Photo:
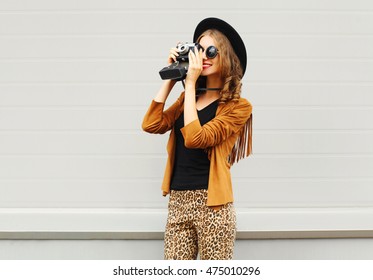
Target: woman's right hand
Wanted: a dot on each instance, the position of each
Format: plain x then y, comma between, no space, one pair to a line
172,56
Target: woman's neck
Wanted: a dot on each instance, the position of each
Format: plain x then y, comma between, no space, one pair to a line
214,82
210,95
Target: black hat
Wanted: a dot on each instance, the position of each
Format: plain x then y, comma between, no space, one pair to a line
232,35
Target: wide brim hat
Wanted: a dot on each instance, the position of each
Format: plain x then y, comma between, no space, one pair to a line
232,35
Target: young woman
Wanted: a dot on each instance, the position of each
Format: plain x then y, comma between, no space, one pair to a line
210,130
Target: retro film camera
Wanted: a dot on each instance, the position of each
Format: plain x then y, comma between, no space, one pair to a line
178,70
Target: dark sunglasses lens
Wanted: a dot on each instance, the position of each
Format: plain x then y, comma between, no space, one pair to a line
211,52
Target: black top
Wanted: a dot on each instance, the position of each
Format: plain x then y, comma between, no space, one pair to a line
192,166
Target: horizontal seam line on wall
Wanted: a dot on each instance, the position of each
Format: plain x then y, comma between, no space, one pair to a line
9,59
188,11
153,83
159,179
258,131
163,155
144,108
167,35
158,235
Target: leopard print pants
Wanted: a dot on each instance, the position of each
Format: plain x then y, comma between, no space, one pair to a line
194,228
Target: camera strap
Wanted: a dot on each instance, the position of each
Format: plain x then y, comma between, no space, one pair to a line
204,89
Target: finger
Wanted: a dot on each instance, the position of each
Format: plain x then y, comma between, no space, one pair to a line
198,54
172,56
192,59
195,58
191,56
174,52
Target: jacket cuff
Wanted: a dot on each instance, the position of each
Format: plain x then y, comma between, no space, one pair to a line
191,129
155,109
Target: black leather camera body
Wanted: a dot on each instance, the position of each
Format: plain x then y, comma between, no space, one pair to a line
178,70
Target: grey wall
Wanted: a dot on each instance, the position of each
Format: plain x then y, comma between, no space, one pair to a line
295,249
76,77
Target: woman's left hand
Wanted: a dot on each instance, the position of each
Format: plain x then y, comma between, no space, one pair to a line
195,66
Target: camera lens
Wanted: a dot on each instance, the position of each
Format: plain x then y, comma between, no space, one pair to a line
183,49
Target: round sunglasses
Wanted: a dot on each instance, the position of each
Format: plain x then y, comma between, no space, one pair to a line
211,51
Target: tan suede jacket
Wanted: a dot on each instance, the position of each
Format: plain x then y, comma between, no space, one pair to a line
218,137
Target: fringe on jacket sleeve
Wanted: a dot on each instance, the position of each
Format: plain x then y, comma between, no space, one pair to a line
243,145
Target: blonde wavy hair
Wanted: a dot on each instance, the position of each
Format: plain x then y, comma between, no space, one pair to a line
230,65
